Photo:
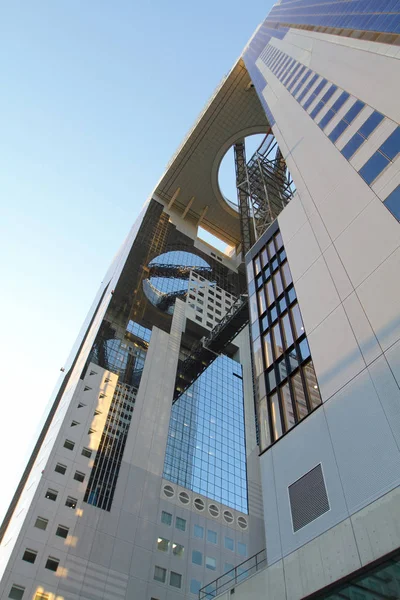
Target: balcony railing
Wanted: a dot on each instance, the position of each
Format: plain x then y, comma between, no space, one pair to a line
236,575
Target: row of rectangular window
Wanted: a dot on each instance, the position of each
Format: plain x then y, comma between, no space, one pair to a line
70,445
198,532
166,518
286,382
160,575
41,523
62,469
53,494
381,158
51,563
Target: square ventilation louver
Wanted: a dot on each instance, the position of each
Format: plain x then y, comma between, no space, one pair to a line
308,498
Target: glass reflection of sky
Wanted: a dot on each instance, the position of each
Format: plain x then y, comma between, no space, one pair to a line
158,288
206,445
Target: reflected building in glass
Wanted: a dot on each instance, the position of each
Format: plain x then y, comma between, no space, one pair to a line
227,420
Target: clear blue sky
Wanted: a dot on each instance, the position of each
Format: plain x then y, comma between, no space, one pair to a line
96,96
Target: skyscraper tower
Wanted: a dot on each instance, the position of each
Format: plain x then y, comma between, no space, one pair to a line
229,422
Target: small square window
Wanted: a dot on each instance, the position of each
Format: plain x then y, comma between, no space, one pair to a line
60,469
177,549
166,518
242,549
86,452
229,543
160,574
198,318
162,544
198,531
29,556
62,531
211,563
197,557
51,495
79,476
228,567
180,523
41,523
71,502
211,536
16,592
52,563
195,586
69,444
175,580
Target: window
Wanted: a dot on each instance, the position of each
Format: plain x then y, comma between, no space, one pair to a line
29,556
197,557
392,203
160,574
373,167
242,549
211,563
228,567
69,444
229,543
79,476
347,119
51,495
177,549
62,531
74,423
162,544
195,586
52,563
41,596
86,452
41,523
16,592
166,518
175,579
180,523
71,502
211,536
198,531
60,468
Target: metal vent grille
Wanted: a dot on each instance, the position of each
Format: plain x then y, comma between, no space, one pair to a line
308,498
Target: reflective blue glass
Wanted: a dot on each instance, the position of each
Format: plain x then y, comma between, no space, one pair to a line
169,276
336,106
352,145
139,331
308,87
303,80
392,203
391,146
347,120
373,167
206,446
242,549
314,95
371,124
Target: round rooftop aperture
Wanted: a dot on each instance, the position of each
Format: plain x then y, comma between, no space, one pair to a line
227,172
168,277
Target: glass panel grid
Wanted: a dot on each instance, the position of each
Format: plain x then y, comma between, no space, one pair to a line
291,384
206,445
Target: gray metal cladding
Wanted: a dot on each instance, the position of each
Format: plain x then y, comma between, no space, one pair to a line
308,498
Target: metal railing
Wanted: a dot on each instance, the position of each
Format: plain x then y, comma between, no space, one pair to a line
231,578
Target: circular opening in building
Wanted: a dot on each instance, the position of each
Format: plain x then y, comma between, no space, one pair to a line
228,516
242,522
199,504
184,498
168,277
213,510
227,172
169,491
